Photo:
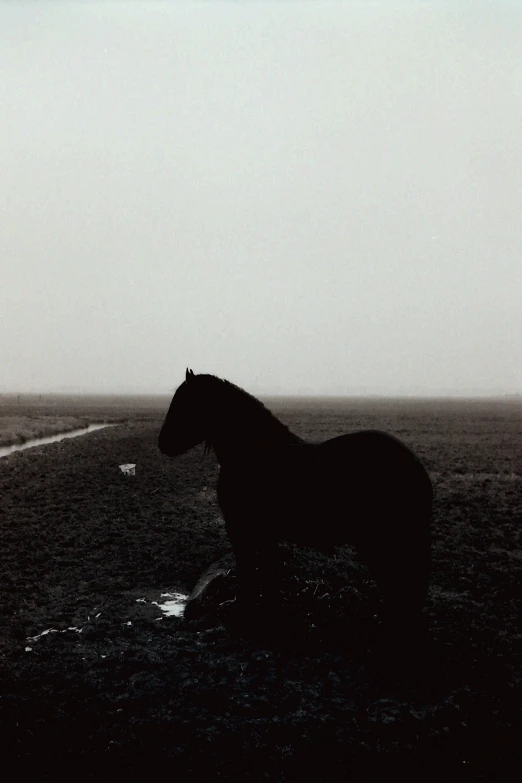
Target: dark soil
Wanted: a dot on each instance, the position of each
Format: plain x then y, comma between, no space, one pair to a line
118,687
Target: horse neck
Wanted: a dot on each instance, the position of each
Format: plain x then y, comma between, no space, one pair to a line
244,427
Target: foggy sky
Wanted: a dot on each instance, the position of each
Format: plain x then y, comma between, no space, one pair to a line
300,197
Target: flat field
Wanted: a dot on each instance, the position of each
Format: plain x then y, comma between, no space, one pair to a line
116,687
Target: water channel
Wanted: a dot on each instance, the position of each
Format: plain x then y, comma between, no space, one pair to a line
5,451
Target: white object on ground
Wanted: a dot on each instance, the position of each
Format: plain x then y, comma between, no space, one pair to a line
175,606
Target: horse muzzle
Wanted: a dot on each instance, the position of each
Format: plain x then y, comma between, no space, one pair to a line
166,446
174,446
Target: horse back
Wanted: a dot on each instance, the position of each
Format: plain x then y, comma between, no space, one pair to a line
355,475
377,467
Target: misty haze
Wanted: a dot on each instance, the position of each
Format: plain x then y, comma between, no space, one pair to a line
316,198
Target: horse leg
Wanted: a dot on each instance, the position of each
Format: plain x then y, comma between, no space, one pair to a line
405,590
248,586
254,611
270,578
238,613
401,569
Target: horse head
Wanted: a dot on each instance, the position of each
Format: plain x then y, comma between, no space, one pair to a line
187,421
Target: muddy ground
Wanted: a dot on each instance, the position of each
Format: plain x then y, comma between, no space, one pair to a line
118,687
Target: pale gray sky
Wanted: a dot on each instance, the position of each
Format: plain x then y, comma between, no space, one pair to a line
297,196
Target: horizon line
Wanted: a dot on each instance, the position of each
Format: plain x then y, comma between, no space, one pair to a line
440,394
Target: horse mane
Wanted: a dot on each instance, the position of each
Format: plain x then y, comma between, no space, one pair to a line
243,401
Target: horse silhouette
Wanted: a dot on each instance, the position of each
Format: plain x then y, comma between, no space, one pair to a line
365,488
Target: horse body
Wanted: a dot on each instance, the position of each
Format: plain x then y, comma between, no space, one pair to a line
365,488
332,490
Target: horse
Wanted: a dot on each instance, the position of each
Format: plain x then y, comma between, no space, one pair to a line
365,488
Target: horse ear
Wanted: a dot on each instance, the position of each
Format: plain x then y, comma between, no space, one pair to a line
188,374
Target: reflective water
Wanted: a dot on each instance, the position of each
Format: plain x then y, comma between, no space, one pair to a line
6,450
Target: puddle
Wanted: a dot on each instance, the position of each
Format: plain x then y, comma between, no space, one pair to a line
174,606
5,451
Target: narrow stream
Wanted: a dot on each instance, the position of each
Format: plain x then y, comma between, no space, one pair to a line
5,451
